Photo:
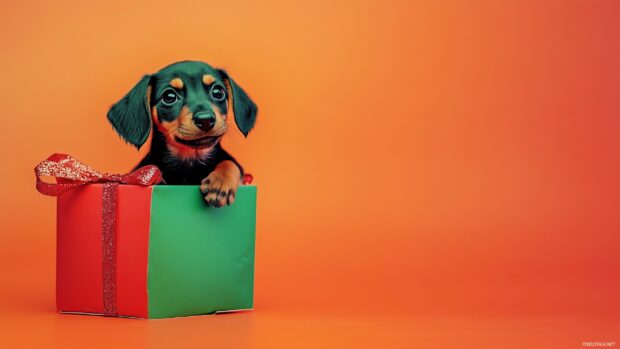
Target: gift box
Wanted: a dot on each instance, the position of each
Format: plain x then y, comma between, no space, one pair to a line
151,251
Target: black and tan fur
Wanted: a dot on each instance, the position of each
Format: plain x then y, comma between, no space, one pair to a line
189,103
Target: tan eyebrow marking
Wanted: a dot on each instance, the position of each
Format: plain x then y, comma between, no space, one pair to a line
208,79
177,83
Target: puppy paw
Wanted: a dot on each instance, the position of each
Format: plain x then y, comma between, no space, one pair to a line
219,189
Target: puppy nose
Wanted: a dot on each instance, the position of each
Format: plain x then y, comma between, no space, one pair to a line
204,121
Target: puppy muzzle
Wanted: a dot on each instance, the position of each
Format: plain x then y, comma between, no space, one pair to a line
204,121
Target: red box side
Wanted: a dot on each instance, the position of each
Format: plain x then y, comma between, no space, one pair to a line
78,261
132,243
79,274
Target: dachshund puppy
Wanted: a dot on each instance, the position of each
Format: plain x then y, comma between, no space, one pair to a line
189,103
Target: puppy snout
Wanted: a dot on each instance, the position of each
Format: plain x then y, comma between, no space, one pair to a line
204,121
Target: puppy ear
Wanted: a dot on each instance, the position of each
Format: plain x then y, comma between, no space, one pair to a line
131,116
242,106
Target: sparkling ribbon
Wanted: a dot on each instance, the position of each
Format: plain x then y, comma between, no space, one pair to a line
69,174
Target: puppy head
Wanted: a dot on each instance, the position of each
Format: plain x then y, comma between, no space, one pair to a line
189,103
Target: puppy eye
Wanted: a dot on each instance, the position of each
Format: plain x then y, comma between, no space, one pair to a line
169,98
217,93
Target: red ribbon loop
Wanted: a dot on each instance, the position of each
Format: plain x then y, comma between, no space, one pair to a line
71,173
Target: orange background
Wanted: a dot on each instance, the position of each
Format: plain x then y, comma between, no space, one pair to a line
437,174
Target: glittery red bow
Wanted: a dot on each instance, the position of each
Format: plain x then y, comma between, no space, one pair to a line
70,173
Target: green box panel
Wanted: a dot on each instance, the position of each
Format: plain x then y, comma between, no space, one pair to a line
201,259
